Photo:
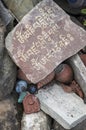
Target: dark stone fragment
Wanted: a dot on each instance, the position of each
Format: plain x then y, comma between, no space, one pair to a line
7,67
8,113
7,75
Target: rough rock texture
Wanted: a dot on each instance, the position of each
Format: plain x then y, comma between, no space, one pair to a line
81,126
8,113
5,14
66,108
2,31
20,7
36,121
7,76
79,72
7,68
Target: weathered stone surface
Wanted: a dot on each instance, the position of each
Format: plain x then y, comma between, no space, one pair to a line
5,14
7,75
35,2
36,121
43,39
80,126
2,32
79,72
67,109
8,113
7,68
20,7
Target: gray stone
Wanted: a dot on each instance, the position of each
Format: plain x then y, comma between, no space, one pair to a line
7,75
5,14
8,113
65,5
79,72
35,121
35,2
7,68
57,126
20,7
80,126
66,108
2,33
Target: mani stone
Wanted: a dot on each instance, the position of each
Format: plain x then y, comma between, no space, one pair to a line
36,121
43,39
8,113
67,109
7,67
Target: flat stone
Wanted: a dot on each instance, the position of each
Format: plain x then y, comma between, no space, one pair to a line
36,121
66,108
79,72
43,39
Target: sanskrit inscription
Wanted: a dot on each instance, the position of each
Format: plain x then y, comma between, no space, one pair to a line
43,39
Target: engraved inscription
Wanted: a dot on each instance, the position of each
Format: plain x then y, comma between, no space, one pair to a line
43,39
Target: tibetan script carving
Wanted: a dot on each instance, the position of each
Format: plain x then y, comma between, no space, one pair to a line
43,39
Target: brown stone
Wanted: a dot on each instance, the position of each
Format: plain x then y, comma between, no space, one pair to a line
73,87
46,80
43,39
65,75
31,104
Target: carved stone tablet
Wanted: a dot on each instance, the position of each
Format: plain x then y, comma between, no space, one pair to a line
43,39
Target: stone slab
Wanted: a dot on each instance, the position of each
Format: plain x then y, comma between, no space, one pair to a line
36,121
79,72
67,109
43,39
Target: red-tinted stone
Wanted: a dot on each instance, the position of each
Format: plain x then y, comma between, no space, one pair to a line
65,75
46,80
31,104
43,39
73,87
